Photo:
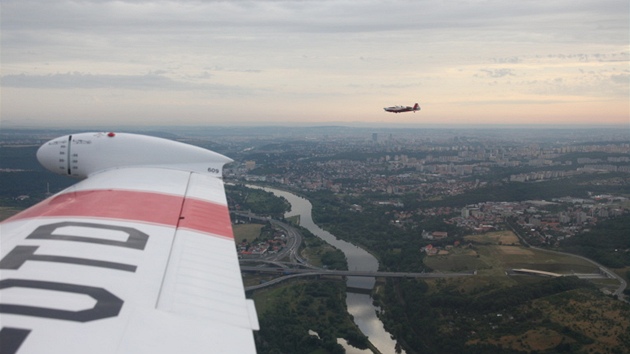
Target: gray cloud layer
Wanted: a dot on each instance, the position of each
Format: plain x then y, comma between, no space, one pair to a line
289,54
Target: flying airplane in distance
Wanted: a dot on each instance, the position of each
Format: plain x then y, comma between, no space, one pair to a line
400,109
137,257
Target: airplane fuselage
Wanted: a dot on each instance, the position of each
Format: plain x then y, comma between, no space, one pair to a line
400,109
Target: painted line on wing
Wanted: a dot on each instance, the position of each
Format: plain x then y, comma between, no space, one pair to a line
200,215
157,208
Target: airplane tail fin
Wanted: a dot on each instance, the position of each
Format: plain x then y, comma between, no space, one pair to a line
416,107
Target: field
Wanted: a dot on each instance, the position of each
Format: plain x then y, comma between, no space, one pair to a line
6,212
508,257
494,260
579,320
582,320
457,260
247,232
251,279
293,220
494,238
314,254
493,253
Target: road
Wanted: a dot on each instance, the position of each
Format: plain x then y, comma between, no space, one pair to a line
295,273
294,240
354,273
622,283
288,270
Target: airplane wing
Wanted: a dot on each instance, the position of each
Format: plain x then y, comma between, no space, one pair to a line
139,257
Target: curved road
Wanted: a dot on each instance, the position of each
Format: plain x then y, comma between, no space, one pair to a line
622,283
294,239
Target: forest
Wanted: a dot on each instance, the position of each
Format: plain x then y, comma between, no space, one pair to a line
502,320
607,243
290,312
257,201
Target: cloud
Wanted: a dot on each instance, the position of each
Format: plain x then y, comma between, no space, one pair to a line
621,79
495,73
147,82
326,55
339,16
74,80
508,60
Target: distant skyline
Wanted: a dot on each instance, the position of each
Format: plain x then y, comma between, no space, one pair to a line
154,63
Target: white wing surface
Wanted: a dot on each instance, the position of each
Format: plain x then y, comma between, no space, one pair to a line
129,260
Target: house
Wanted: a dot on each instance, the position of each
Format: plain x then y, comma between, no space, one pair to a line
430,250
438,235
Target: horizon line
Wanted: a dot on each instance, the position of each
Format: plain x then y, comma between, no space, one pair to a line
331,124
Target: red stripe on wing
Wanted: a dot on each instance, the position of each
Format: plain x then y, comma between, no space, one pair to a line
207,217
164,209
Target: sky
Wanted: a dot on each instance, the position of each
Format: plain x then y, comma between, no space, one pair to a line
141,63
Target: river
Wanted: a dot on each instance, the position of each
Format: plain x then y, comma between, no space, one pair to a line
359,305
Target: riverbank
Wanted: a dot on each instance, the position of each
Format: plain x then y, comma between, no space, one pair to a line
360,306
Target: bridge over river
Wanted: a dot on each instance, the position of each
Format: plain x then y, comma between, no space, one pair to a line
290,273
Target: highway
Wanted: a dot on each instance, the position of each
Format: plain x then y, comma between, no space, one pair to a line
289,273
288,270
291,249
354,273
294,241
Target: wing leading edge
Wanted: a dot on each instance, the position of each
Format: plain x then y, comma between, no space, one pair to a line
129,260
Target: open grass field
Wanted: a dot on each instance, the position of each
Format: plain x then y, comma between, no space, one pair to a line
265,298
247,232
492,260
623,272
509,257
314,254
494,238
293,220
7,212
251,279
457,260
495,252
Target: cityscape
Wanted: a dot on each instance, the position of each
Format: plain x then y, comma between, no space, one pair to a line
466,213
392,168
